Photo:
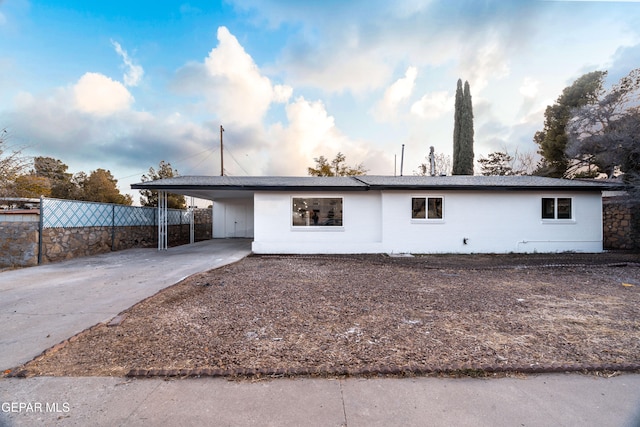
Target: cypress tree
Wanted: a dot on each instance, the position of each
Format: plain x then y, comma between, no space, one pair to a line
463,131
467,131
457,120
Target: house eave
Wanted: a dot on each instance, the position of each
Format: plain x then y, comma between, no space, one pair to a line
249,185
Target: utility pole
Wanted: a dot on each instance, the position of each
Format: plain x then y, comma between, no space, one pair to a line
221,153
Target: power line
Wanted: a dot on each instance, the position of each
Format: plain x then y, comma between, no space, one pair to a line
210,151
235,160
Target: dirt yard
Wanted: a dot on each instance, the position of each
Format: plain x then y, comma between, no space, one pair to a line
359,313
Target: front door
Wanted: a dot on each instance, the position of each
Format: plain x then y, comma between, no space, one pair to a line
238,221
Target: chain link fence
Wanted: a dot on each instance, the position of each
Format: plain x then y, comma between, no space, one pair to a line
72,228
58,213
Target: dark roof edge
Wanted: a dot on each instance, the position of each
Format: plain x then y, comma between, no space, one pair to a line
365,185
493,188
143,186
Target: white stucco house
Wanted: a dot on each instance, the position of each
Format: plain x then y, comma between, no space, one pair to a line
401,214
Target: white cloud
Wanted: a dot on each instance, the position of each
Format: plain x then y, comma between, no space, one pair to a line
98,94
355,46
311,133
399,91
484,61
127,142
239,94
529,87
231,83
282,93
336,69
133,74
433,105
3,19
245,93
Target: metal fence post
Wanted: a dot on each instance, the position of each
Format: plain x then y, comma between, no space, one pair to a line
192,219
162,221
113,227
40,228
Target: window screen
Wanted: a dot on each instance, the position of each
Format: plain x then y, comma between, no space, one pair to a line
556,208
426,207
548,208
435,208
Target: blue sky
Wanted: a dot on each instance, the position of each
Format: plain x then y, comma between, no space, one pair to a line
123,85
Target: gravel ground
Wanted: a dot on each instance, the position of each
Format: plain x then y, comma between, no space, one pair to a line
327,314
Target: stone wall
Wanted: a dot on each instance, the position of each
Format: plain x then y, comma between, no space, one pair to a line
203,224
19,241
620,224
59,244
18,244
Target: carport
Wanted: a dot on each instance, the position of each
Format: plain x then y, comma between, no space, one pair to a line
231,197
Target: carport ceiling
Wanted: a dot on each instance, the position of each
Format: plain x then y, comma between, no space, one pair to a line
210,194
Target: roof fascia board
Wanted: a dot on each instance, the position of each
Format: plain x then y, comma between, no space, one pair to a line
250,187
487,188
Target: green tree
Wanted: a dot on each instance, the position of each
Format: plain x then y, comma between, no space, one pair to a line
32,186
337,167
60,181
101,186
463,131
604,135
150,197
552,140
497,163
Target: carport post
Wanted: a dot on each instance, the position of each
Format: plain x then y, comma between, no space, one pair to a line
192,214
162,221
40,229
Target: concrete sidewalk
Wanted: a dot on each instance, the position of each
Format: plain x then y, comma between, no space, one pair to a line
42,306
543,400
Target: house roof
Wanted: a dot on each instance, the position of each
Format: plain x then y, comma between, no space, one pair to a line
253,182
499,183
210,187
225,187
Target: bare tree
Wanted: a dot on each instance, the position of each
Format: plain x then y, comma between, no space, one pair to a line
503,163
12,164
442,163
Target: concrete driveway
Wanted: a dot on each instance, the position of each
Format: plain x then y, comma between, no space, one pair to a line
42,306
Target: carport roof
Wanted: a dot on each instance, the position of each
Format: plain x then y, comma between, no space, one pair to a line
209,187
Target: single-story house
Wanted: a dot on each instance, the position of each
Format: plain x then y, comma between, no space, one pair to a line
401,214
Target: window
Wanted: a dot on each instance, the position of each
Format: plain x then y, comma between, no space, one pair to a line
426,208
556,208
317,212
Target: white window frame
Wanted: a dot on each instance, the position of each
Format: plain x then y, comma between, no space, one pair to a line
316,228
427,220
555,219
